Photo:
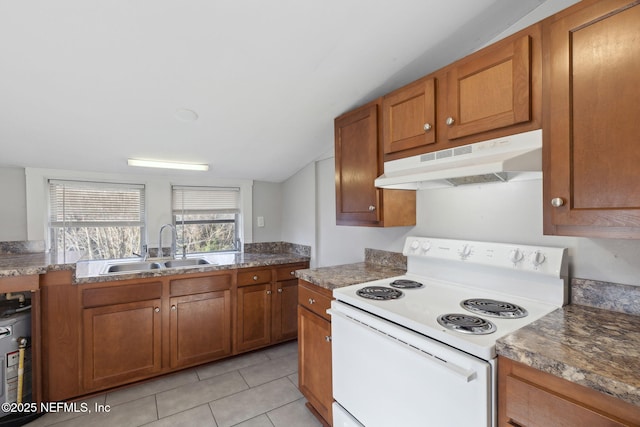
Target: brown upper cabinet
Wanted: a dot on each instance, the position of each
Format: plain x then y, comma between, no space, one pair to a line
491,90
591,120
409,115
489,94
358,156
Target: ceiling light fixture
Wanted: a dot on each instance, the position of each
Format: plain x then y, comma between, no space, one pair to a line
168,165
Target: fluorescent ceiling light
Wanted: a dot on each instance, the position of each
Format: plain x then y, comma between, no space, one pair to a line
167,165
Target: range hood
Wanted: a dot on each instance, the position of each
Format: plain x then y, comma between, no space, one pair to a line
516,157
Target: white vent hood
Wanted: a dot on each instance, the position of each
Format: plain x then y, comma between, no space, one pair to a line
515,157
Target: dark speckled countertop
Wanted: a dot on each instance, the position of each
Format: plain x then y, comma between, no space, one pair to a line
595,347
377,265
17,260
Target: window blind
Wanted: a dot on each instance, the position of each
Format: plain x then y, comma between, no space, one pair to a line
95,204
203,200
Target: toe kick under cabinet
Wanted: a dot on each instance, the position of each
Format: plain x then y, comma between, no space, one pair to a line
98,336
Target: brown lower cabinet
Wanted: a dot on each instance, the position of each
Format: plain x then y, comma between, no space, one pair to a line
103,335
528,397
314,349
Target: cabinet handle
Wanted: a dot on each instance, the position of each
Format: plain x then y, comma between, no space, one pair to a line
450,121
255,277
268,292
372,208
279,290
427,127
174,308
557,202
327,338
157,309
292,272
312,301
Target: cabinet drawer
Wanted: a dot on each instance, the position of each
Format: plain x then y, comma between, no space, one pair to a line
253,277
198,285
288,272
531,406
95,297
316,301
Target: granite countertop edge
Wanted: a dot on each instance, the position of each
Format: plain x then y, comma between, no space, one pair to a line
602,357
85,271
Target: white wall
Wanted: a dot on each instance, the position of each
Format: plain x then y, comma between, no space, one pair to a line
299,209
267,203
501,212
157,194
14,205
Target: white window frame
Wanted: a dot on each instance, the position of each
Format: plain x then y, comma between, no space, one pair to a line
59,219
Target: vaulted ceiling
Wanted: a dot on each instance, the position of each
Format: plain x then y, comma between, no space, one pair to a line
86,84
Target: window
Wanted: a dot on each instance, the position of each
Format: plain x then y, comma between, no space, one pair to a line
206,218
105,220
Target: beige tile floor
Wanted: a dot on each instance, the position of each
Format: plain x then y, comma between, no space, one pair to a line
257,389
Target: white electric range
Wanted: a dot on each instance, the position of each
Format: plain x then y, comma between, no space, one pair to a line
424,343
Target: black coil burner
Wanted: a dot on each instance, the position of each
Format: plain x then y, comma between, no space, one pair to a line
379,293
406,284
493,308
466,324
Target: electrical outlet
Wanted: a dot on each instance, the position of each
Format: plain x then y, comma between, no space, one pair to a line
260,221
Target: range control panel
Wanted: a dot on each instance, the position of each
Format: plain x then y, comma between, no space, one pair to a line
536,259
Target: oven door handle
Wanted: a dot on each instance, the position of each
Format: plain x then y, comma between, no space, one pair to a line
466,375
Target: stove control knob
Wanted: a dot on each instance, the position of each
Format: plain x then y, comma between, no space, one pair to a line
515,256
426,246
537,258
415,245
465,251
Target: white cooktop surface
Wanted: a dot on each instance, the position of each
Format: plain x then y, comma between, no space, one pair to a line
418,310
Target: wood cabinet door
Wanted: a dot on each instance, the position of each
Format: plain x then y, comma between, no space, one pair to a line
200,327
409,116
314,362
121,343
490,91
357,166
254,316
591,120
285,310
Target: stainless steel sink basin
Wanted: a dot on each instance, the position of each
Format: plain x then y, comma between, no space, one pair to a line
188,262
133,266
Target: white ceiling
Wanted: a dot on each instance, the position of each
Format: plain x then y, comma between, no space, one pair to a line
86,84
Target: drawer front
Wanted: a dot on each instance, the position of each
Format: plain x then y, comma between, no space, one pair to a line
253,277
198,285
109,295
314,301
288,272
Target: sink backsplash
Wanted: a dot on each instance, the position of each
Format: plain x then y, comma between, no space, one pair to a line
277,248
22,247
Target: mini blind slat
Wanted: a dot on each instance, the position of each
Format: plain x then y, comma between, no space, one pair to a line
197,200
96,203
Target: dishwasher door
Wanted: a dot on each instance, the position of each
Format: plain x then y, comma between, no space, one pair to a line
387,375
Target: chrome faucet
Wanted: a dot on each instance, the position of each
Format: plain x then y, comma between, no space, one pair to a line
172,254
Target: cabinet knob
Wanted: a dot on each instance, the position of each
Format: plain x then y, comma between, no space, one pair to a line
372,208
268,292
556,202
292,272
255,277
280,290
450,121
174,308
157,309
312,301
327,338
427,127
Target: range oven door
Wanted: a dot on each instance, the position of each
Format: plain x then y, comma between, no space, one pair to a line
387,375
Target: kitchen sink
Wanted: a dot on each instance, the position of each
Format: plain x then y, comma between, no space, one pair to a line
133,267
188,262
